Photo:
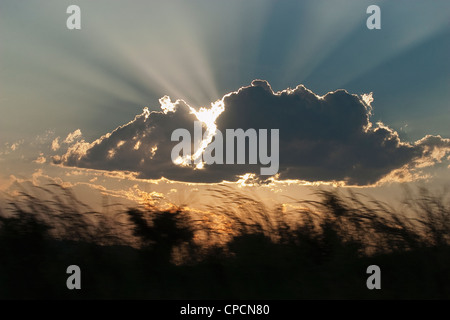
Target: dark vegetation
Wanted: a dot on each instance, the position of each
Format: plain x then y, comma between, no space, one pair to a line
320,250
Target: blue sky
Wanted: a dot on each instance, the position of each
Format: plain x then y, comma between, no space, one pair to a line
128,56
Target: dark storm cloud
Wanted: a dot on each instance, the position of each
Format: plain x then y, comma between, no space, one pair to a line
143,145
328,138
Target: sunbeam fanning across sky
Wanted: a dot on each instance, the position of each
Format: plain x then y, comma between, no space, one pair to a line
200,50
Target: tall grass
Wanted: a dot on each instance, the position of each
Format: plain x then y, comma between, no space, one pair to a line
319,249
60,215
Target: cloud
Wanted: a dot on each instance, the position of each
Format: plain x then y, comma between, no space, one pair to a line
16,145
55,144
41,159
322,138
71,137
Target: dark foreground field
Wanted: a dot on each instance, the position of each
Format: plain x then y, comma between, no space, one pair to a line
319,251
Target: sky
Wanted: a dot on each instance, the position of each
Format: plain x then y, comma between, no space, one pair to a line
355,107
